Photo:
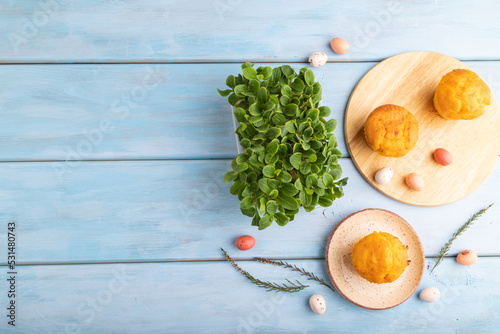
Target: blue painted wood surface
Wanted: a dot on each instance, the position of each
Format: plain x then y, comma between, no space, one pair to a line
236,30
180,210
142,111
130,243
211,297
139,111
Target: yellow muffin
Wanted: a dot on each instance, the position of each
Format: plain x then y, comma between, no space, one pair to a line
461,94
391,130
379,257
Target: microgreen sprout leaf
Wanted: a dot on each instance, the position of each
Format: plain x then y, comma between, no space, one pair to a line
290,157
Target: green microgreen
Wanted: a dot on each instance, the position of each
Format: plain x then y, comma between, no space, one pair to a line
290,157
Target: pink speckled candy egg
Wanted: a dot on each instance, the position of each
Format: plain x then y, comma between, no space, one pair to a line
384,175
318,304
415,182
339,45
443,157
467,257
317,59
245,242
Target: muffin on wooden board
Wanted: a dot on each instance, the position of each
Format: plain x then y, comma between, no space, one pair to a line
461,94
379,257
391,130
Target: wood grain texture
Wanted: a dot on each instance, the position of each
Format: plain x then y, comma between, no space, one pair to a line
156,210
212,297
57,112
75,112
182,210
410,80
223,30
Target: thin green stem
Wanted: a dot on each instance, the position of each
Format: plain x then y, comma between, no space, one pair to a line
446,248
269,286
302,271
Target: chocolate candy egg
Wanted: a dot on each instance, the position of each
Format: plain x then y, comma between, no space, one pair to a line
317,303
339,45
245,242
317,59
415,182
443,157
430,295
467,257
383,175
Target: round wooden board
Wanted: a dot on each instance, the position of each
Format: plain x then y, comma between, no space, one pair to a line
410,80
345,278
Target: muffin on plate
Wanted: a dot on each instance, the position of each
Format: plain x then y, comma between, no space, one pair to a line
461,94
391,130
379,257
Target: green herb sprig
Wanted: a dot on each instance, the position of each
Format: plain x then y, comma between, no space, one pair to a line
446,248
290,156
302,271
269,286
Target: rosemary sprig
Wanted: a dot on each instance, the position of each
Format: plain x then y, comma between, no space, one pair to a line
444,251
269,286
302,271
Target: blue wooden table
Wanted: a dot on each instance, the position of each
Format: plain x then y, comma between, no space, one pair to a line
114,142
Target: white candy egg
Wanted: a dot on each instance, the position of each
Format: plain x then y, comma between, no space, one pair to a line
384,175
317,59
317,303
430,295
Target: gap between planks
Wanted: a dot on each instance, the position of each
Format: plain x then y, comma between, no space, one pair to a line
122,160
131,160
201,62
208,62
127,160
26,264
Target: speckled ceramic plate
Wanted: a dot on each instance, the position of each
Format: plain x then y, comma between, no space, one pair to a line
345,278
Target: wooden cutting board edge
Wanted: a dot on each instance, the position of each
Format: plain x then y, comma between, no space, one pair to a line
348,139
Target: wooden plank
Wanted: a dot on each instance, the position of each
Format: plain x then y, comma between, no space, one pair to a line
74,112
76,31
211,297
182,210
